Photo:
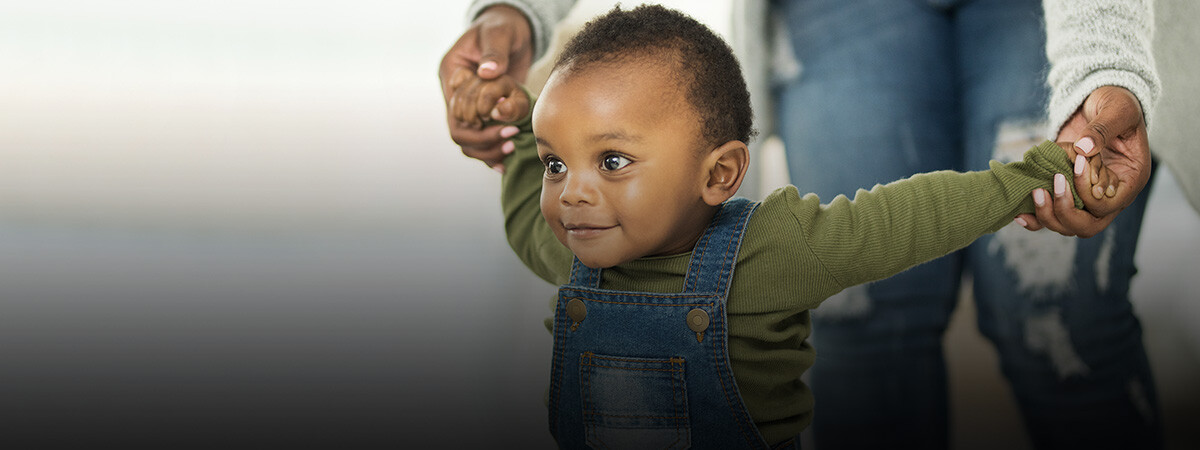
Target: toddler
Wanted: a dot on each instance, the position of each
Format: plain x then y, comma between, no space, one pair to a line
683,316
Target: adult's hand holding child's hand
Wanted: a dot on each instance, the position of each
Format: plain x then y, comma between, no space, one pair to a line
1093,182
1110,130
498,42
475,102
478,103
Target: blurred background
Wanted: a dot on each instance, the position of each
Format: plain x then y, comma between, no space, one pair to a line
243,223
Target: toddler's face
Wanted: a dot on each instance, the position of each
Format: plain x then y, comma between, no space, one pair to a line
622,152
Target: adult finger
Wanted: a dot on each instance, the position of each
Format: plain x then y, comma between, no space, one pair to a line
1028,221
495,43
1044,211
1069,221
464,54
491,156
478,141
1114,112
1064,218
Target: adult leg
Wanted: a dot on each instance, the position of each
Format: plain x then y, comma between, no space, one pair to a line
1056,308
875,101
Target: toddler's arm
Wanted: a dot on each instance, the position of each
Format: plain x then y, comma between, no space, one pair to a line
896,226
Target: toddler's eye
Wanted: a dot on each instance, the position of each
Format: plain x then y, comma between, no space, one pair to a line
615,162
555,167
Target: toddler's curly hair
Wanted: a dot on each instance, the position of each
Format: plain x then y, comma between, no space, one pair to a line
714,83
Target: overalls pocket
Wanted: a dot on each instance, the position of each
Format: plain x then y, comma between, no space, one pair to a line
634,402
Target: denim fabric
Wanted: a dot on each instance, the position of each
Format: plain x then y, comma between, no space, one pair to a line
632,373
889,88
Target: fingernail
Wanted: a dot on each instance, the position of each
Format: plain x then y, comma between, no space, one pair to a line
508,147
1060,184
1039,197
509,131
490,65
499,168
1021,222
1098,193
1086,145
1111,191
1080,161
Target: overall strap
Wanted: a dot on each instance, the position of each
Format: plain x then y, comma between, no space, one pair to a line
716,252
583,276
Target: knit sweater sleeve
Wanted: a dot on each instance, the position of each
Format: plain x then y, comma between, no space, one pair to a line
896,226
542,15
1095,43
520,198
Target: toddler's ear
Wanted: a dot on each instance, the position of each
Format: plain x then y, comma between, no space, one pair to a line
724,170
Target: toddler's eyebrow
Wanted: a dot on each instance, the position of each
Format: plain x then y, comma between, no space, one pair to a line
606,136
615,136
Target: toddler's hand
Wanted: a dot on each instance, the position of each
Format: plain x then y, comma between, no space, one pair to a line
476,101
1098,186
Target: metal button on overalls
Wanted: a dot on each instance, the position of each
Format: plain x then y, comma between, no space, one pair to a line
577,311
698,321
635,377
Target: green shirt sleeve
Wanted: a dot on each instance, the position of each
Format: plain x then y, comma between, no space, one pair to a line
896,226
520,197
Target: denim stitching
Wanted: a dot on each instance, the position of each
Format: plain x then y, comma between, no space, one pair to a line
637,304
559,362
675,403
731,250
586,387
622,416
672,360
697,262
630,368
719,354
642,294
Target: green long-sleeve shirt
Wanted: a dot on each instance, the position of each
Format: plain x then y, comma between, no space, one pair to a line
796,253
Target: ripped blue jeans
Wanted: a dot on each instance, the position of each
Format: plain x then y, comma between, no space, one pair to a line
899,87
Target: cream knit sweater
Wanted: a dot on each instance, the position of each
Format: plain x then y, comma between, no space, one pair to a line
1089,43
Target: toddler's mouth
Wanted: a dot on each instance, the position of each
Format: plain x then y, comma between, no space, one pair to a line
583,230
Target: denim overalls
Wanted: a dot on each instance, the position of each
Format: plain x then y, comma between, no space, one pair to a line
643,370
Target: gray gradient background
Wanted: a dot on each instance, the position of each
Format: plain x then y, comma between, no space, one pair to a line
243,224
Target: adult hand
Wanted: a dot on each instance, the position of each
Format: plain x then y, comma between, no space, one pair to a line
498,42
1110,123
